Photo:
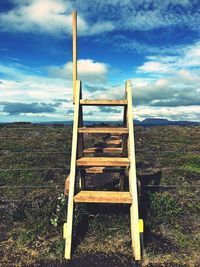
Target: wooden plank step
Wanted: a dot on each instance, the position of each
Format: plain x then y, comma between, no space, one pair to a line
102,161
114,142
103,102
102,150
103,197
66,189
103,169
116,130
116,137
95,170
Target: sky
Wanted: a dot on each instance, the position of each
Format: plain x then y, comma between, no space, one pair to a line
153,43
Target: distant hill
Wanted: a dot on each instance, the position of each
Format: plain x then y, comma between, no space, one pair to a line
160,122
146,122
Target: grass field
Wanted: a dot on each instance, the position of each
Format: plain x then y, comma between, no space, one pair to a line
34,162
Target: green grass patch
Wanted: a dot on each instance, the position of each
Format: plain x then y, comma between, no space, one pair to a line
191,167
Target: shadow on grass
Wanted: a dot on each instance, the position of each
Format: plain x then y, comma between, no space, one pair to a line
144,200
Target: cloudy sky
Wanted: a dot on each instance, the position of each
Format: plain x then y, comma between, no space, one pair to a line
154,43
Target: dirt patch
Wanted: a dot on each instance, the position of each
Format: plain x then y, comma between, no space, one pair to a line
94,260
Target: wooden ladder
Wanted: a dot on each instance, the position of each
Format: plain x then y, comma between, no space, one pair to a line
80,162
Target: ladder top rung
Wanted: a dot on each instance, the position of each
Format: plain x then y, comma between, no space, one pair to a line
103,197
103,102
102,161
103,150
116,130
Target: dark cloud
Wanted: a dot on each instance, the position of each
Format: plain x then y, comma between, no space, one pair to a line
61,100
176,103
70,111
109,110
169,92
169,97
16,108
90,113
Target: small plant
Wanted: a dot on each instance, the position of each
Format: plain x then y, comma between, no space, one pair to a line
60,211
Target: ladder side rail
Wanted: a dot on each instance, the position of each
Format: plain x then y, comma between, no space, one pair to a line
134,214
81,145
68,239
124,136
74,52
80,135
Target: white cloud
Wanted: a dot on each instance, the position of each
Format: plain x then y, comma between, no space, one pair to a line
38,90
96,16
143,15
48,16
152,66
188,58
181,89
170,81
33,89
87,70
191,113
146,93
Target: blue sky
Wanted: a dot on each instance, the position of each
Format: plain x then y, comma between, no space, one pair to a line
154,43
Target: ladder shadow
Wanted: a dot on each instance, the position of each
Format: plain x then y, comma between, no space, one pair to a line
79,231
159,244
144,198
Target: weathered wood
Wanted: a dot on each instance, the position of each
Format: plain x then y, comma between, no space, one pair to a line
122,180
102,164
103,197
66,189
82,179
114,142
116,130
124,137
74,52
80,136
116,137
102,150
103,161
102,169
68,239
103,102
135,235
95,169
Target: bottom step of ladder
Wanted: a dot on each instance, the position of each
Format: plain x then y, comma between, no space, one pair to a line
103,197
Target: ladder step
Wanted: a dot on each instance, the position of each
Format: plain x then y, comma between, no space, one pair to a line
103,102
102,161
114,142
95,170
103,197
103,169
116,137
103,150
111,130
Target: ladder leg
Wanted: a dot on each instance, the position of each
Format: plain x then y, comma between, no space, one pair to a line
68,237
124,136
73,174
121,180
135,235
82,179
66,190
80,136
134,216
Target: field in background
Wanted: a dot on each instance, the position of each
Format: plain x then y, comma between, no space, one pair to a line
34,162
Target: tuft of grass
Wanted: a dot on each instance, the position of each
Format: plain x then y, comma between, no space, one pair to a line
191,167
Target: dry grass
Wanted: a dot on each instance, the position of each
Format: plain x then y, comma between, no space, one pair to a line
165,156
